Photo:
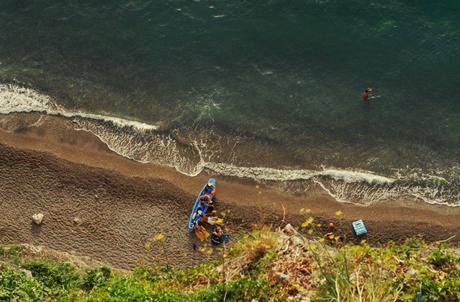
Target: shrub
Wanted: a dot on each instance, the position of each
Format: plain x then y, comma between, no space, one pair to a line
52,273
241,290
95,277
60,280
11,253
130,289
446,290
16,286
440,258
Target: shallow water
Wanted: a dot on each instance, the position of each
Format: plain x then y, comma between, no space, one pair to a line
271,84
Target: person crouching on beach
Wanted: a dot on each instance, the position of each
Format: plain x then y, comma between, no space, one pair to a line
218,236
331,235
207,201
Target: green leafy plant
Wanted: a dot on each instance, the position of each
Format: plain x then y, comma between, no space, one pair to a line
95,277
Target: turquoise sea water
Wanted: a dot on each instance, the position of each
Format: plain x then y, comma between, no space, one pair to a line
258,83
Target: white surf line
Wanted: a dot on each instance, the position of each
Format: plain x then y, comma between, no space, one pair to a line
347,176
272,174
16,99
120,122
337,198
433,202
171,163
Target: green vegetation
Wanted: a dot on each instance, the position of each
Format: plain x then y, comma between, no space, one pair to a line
264,265
46,279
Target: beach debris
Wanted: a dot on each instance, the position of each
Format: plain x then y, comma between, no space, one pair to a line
214,220
77,220
282,278
201,232
38,218
359,228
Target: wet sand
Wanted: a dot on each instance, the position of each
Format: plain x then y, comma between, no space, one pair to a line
47,166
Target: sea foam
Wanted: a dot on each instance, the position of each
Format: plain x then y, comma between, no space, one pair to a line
15,99
262,173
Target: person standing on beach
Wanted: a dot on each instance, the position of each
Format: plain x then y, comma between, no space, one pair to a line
367,95
210,188
209,193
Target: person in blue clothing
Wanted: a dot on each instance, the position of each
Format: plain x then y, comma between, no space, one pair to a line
210,188
218,236
208,198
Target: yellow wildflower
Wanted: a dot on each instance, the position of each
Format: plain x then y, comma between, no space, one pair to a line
308,222
312,247
304,211
159,237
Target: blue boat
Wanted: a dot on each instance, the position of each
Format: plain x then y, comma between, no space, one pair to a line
199,209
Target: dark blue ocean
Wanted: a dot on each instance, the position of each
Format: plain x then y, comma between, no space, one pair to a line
265,89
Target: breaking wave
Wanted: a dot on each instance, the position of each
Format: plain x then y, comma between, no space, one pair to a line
260,173
358,187
14,98
144,143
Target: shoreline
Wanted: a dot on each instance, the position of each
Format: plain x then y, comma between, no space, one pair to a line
53,140
270,164
56,136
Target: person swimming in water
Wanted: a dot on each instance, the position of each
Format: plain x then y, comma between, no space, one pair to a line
367,95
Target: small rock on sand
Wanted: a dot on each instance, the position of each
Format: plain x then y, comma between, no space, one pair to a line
289,230
37,218
77,220
282,278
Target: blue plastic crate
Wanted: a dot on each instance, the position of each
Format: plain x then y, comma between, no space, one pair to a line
359,227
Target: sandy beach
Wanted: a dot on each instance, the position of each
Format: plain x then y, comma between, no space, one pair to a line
99,204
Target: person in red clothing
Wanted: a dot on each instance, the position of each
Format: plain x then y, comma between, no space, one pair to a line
208,201
367,95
